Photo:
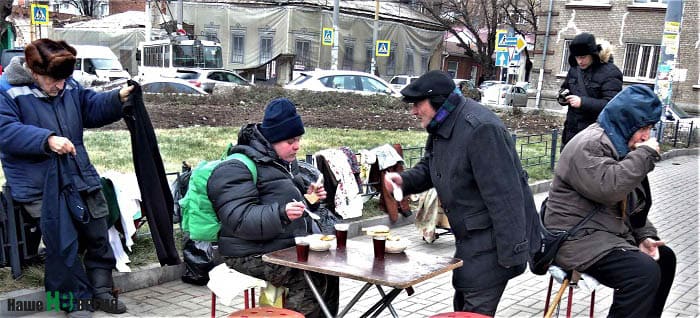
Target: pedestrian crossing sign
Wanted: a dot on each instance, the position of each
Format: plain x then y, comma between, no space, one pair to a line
383,47
327,36
40,14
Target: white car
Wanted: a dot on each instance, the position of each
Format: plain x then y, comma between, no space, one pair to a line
207,79
505,95
342,81
398,82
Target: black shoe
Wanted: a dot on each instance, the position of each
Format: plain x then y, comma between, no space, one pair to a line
79,314
108,304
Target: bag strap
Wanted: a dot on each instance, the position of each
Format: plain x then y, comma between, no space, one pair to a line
581,85
248,163
578,226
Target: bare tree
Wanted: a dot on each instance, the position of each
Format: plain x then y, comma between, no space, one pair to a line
5,11
482,17
86,8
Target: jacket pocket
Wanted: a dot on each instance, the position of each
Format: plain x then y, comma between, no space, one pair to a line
477,234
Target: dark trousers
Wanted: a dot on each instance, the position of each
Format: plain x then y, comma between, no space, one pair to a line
300,297
641,284
98,257
483,301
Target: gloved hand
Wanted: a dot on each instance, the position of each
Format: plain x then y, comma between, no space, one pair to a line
651,142
561,97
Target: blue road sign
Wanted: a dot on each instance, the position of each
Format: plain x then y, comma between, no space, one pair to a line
502,58
383,47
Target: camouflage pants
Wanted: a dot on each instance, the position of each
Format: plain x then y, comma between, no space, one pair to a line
300,297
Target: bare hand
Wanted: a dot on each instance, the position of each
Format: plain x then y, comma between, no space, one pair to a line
124,93
651,247
392,178
651,142
294,210
574,101
319,190
61,145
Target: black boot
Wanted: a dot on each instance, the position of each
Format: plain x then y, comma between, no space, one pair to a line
108,303
103,299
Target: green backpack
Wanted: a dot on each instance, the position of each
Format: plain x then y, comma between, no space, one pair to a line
198,215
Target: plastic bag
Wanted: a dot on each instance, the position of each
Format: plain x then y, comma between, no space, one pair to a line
199,260
272,296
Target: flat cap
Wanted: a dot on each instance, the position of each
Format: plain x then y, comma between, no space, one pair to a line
433,83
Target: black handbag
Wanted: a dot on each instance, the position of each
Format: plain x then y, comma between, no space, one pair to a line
551,241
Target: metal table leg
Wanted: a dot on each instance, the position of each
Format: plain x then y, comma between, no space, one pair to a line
355,299
321,302
387,303
391,308
381,304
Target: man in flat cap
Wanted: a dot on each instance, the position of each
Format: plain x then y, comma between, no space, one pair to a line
470,159
43,112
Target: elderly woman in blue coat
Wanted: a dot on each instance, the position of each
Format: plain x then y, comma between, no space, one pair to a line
470,159
43,112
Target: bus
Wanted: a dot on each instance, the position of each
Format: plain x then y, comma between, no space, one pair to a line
165,56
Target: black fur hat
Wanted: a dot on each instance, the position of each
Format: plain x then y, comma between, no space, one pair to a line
583,44
52,58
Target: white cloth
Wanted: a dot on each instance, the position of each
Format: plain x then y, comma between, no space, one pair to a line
348,201
427,214
386,156
126,189
586,282
226,283
119,254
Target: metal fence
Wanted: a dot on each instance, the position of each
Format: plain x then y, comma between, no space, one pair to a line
678,134
533,150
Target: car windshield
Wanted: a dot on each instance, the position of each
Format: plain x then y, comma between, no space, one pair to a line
398,80
372,85
169,88
106,64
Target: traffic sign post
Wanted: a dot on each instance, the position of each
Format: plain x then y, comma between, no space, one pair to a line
383,48
500,40
327,39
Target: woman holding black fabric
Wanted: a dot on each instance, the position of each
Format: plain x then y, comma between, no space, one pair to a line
590,83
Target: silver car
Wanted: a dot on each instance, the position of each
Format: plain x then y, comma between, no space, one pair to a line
207,79
342,81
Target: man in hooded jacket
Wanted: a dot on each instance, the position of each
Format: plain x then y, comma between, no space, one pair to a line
604,168
470,159
591,82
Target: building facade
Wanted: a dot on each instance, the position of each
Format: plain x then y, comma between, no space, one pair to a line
634,29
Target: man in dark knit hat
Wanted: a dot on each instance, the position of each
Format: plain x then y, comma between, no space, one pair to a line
471,161
265,216
590,83
43,112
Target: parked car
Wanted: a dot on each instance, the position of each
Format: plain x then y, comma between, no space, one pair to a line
486,84
514,96
170,86
398,82
97,65
468,88
342,81
207,79
7,55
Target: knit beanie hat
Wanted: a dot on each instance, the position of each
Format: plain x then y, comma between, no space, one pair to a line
281,121
583,44
52,58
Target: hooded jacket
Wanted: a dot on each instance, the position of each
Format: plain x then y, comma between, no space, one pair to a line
596,170
253,217
602,81
28,117
471,161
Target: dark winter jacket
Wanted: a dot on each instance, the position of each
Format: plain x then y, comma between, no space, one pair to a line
253,217
602,81
28,117
472,163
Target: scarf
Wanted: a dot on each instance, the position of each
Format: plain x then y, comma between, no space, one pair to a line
447,107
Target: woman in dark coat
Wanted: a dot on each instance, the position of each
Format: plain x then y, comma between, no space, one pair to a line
262,217
591,82
470,159
604,168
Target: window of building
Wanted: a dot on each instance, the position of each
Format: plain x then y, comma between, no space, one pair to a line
348,57
211,32
424,61
641,60
565,57
237,47
265,49
452,68
409,67
302,61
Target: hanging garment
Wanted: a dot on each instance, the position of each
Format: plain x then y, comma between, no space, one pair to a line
157,201
347,198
